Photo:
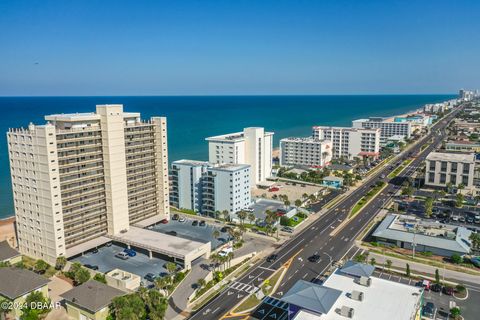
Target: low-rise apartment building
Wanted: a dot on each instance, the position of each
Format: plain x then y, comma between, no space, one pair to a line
308,151
462,146
443,168
208,188
85,175
350,142
387,127
252,146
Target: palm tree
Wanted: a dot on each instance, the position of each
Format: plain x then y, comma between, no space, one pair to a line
286,203
304,196
230,256
298,203
171,267
226,215
242,215
251,217
201,283
373,261
216,233
389,264
162,283
217,214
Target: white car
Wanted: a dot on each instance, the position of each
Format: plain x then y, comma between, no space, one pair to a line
182,219
225,251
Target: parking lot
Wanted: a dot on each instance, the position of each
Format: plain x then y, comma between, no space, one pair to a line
470,307
293,192
197,233
105,259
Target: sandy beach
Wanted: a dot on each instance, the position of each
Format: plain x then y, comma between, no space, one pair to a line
7,231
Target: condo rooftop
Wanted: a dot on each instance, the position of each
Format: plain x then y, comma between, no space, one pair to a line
451,156
233,137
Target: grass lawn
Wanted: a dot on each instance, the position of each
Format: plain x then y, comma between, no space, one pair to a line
395,172
372,193
249,303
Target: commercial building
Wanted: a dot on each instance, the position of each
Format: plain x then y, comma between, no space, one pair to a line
16,284
410,232
443,168
90,300
387,127
421,120
350,142
353,292
462,146
305,152
253,146
83,176
466,95
207,188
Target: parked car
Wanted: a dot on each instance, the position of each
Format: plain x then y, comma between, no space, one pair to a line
172,233
150,277
447,290
130,252
202,223
287,229
195,223
272,258
175,216
94,250
225,251
225,229
122,255
164,221
108,244
437,287
182,219
314,258
429,310
90,266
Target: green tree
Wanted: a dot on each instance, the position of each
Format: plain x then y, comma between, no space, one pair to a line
41,266
475,240
163,283
373,261
428,207
251,218
242,215
201,283
60,263
216,233
81,276
298,203
407,270
459,200
455,258
156,305
74,267
100,278
4,307
389,264
129,307
34,298
171,267
455,313
437,276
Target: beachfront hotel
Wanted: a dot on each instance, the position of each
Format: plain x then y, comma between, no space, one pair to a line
86,175
253,146
208,188
308,151
387,126
348,142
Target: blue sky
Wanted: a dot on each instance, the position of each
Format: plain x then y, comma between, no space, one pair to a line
238,47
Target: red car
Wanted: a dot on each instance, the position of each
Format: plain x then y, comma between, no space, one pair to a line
164,221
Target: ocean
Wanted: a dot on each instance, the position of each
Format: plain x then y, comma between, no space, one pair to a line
191,119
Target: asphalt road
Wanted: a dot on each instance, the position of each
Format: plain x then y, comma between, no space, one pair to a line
317,238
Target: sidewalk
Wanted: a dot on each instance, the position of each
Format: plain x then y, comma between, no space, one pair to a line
456,276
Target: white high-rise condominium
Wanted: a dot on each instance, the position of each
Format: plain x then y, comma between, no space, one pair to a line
253,146
350,142
387,127
305,152
85,175
207,188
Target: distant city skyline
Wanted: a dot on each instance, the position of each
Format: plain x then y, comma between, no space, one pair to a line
55,48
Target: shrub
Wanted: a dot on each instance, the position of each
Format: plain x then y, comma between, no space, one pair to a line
455,258
460,288
100,278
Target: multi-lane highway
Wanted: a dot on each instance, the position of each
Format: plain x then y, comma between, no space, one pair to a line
322,237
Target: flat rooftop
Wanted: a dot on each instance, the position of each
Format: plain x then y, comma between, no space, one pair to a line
234,137
229,167
383,299
437,235
194,163
85,116
304,139
160,242
451,156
